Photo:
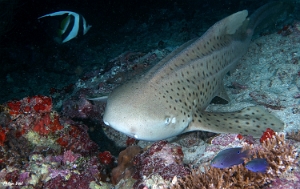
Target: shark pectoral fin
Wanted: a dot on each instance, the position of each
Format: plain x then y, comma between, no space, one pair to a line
249,121
223,94
221,97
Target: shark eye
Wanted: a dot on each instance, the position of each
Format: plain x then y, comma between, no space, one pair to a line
167,121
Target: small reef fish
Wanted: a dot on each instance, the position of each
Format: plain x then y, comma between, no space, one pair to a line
258,165
71,25
171,97
229,157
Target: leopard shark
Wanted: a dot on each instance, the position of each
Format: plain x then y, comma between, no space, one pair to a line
171,97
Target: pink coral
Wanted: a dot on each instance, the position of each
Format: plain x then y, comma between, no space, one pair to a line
70,157
54,173
162,158
224,139
75,181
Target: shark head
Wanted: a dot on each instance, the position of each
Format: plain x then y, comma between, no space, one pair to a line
137,111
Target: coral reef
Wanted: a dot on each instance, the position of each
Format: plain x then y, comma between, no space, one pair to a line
280,155
269,133
76,139
40,149
82,108
125,168
105,157
161,158
294,136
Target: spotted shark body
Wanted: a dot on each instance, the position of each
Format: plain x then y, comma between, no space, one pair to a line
170,98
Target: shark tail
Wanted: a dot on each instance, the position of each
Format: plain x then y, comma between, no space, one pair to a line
248,121
269,14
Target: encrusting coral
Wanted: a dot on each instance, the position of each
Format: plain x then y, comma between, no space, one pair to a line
125,168
162,158
279,154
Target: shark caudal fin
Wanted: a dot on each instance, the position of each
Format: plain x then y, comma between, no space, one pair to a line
268,14
248,121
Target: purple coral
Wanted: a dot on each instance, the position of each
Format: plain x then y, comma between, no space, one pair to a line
55,173
23,177
82,108
224,139
75,181
161,158
70,157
